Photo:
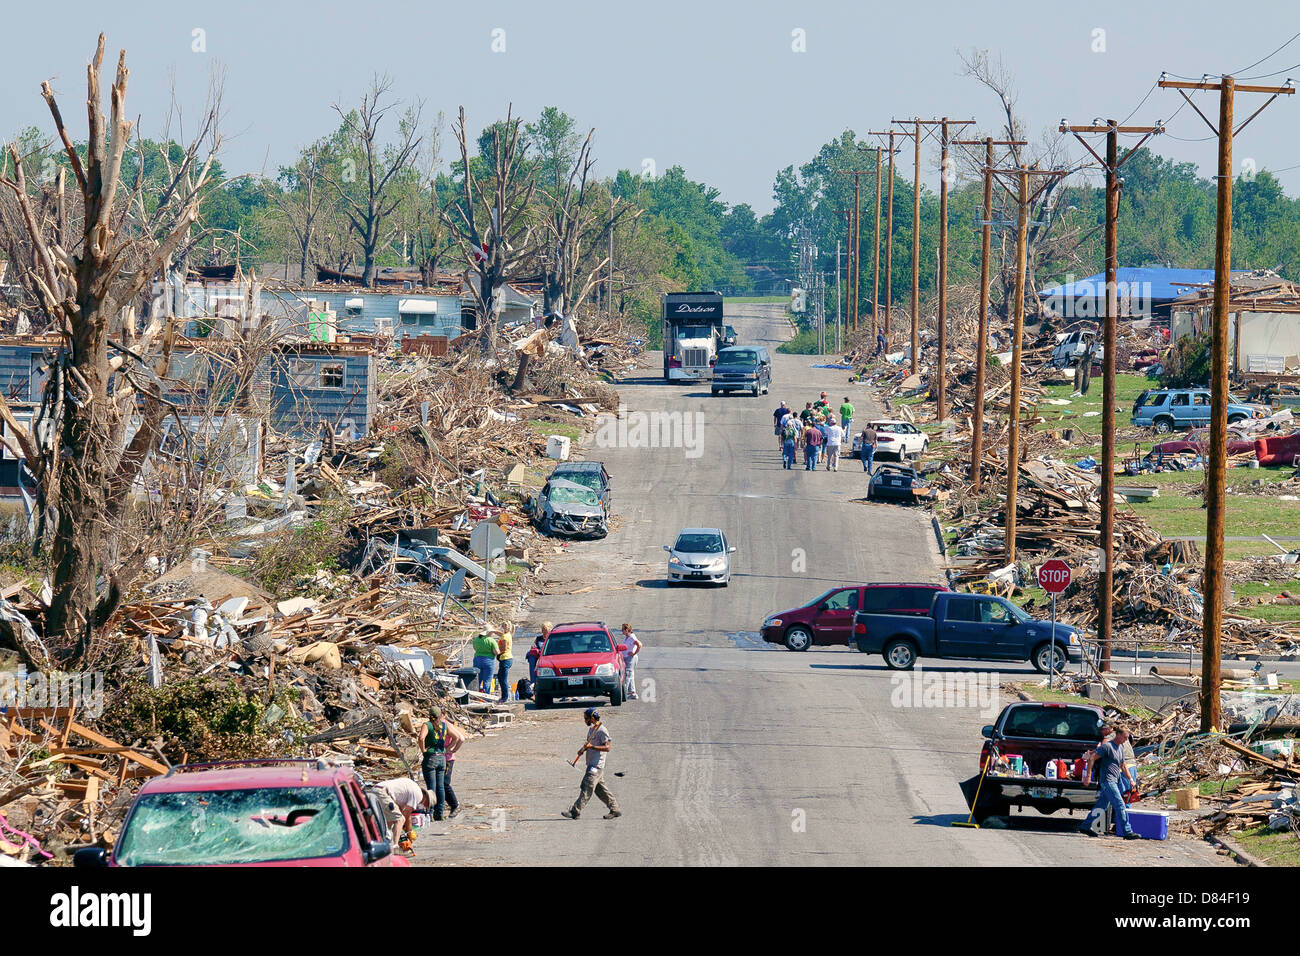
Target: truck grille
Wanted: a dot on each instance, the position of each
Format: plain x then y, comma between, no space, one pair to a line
695,358
573,671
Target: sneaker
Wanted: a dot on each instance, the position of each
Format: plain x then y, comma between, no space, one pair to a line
453,812
569,813
1132,836
613,814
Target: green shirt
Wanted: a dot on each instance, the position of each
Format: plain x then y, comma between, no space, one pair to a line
484,646
846,412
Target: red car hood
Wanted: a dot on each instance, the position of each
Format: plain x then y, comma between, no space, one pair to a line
576,660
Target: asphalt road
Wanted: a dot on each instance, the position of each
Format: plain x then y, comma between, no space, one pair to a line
738,752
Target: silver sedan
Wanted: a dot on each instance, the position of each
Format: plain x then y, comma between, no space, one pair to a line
700,554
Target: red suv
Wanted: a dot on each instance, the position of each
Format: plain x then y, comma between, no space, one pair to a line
580,660
829,618
251,813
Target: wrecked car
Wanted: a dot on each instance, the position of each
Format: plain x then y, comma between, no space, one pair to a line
900,483
592,474
571,510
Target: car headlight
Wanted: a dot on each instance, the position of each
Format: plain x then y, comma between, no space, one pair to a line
772,622
717,564
545,672
605,670
1074,638
674,563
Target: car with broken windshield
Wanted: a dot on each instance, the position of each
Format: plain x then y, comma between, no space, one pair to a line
570,509
268,812
592,474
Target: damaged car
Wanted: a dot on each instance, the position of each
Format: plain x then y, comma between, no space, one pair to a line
899,483
570,510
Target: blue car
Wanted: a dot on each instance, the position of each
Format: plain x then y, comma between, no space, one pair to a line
1169,408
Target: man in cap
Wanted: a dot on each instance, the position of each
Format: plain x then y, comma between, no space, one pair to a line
593,781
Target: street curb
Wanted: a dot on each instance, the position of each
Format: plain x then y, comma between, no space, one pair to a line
1239,855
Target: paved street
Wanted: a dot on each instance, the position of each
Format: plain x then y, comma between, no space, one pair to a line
741,753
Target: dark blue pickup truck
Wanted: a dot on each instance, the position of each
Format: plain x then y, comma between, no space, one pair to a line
970,626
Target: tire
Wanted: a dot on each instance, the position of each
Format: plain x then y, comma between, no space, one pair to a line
900,655
714,391
756,390
993,810
798,639
1042,658
541,701
616,697
1163,425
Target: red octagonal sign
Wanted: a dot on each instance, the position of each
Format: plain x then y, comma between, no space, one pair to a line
1054,576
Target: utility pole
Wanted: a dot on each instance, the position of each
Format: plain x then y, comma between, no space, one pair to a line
889,228
1216,473
609,289
1111,164
915,133
875,262
982,343
855,237
1023,198
837,287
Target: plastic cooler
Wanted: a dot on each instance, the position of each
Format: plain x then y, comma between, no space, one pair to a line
1149,824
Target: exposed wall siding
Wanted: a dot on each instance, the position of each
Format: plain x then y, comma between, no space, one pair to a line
299,409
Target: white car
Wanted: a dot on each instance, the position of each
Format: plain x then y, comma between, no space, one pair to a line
900,439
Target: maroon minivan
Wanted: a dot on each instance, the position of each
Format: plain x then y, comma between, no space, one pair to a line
829,618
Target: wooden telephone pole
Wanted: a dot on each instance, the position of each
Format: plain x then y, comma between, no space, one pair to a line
1111,164
1216,473
855,235
915,133
875,261
1023,198
889,230
982,342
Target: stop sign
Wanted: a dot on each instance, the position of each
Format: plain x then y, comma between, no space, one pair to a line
1054,576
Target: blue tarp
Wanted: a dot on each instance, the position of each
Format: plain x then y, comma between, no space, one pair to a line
1159,284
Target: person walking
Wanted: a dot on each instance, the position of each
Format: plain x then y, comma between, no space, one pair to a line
812,443
826,437
505,657
535,651
846,415
485,658
867,448
593,779
454,738
821,406
629,658
435,736
880,343
806,415
789,441
778,418
1108,761
834,436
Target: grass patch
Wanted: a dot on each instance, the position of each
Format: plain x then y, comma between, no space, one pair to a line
1269,612
1127,389
549,428
804,343
743,299
1177,514
1275,849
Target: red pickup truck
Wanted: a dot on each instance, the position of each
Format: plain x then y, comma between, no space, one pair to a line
294,812
828,619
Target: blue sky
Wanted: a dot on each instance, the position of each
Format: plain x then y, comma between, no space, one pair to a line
715,87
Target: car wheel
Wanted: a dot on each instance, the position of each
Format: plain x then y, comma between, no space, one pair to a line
541,701
714,392
900,655
1049,657
1163,426
798,639
616,697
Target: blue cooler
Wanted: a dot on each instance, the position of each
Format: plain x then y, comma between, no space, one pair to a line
1149,824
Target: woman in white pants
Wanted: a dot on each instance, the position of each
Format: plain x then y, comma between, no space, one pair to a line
629,658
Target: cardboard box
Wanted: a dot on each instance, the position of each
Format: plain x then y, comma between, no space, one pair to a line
1187,798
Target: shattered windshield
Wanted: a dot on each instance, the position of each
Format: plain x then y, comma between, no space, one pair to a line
590,479
568,494
203,828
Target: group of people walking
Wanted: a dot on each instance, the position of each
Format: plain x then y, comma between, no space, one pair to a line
820,433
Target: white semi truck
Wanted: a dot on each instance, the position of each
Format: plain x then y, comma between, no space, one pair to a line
693,331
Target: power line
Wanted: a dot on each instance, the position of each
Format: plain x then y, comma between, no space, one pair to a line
1269,57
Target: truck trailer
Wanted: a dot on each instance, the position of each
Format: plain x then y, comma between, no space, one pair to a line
693,332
